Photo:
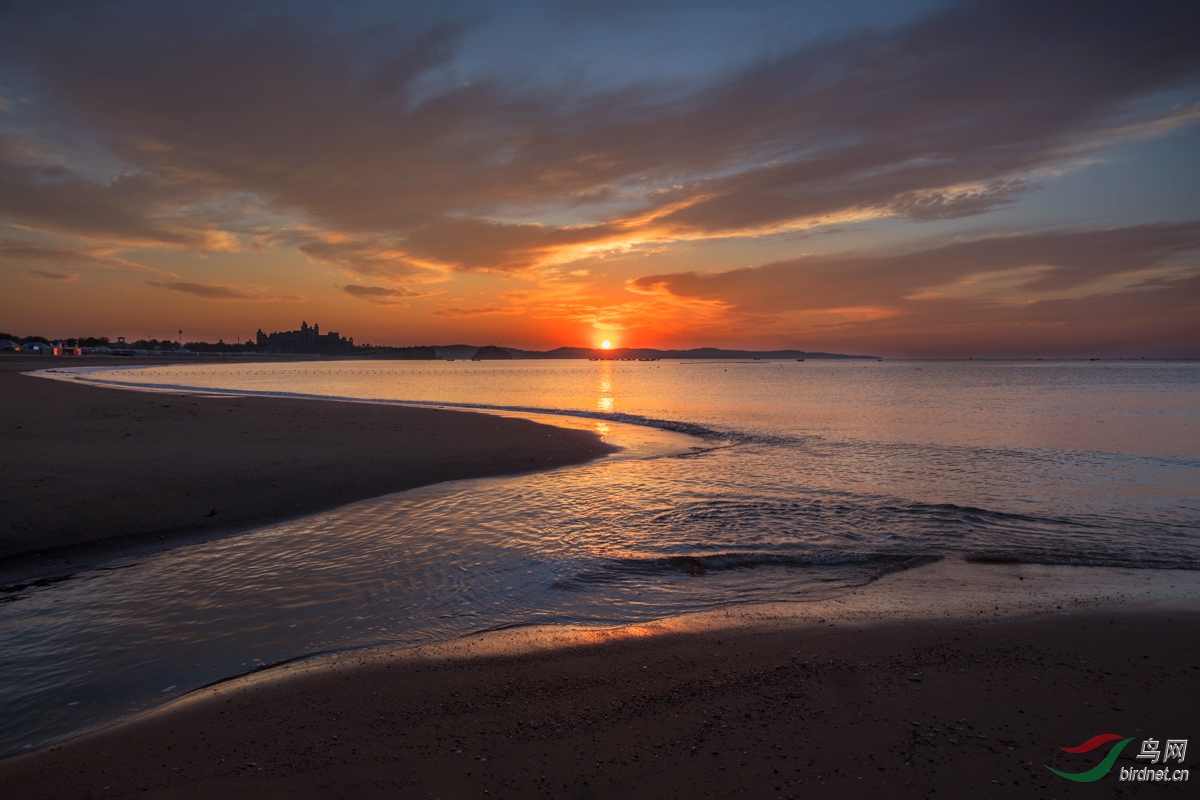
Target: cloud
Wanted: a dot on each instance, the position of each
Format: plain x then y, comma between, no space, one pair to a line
480,245
132,209
403,170
477,312
91,258
379,294
1064,261
223,292
958,201
371,256
1002,288
46,275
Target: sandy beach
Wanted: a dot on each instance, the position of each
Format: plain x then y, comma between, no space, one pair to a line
952,679
92,473
947,681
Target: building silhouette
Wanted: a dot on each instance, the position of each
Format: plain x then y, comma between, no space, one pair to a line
306,341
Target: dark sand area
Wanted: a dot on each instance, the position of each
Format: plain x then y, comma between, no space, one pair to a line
902,709
947,681
91,472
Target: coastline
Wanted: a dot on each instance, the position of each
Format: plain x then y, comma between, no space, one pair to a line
953,678
95,473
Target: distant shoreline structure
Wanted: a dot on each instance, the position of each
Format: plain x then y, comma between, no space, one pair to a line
14,346
304,341
309,342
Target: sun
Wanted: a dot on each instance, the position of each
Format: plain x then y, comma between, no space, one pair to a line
606,344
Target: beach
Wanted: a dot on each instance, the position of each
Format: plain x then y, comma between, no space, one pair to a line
910,675
92,473
949,681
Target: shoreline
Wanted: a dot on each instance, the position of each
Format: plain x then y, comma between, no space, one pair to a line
950,677
659,437
98,473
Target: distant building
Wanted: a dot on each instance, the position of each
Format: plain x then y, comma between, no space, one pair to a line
306,341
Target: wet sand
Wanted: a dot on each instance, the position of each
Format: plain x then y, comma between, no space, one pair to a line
892,691
92,473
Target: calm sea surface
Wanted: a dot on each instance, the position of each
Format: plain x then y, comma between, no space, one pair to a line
807,479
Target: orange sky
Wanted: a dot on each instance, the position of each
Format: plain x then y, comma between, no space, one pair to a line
890,182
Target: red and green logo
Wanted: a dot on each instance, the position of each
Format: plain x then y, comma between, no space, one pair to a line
1100,770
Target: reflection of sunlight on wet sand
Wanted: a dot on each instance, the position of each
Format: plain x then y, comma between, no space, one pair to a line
605,402
948,590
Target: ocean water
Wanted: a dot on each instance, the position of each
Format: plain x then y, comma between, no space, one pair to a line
798,480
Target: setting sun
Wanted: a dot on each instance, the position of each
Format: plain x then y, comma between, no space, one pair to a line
606,344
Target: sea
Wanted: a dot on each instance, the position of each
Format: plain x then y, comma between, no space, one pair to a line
738,482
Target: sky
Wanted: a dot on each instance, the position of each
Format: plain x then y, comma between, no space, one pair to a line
943,179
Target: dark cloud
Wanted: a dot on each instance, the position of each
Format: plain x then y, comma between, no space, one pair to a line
373,257
136,209
943,116
1057,260
994,291
477,312
1163,321
949,116
220,291
379,294
46,275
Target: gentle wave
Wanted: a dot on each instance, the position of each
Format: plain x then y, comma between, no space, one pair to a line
955,513
697,565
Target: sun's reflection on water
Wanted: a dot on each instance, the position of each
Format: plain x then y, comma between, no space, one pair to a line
605,402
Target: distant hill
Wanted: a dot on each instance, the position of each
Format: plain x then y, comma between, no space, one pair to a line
491,353
456,351
464,351
403,353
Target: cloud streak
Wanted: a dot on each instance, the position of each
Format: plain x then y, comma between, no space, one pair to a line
460,313
223,292
378,294
91,258
47,275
